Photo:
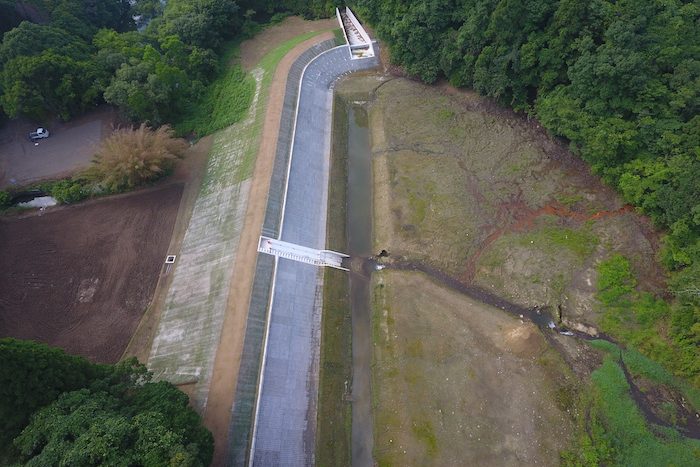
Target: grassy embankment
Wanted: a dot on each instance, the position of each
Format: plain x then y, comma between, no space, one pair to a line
248,134
614,430
641,320
229,96
334,412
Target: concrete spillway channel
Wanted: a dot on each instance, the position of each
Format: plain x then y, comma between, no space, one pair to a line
361,45
274,415
359,239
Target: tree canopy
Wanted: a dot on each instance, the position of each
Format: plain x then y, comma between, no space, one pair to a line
60,57
619,79
64,410
33,375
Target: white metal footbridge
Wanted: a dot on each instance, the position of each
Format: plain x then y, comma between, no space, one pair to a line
301,254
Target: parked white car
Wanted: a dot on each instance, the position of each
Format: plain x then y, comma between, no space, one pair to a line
40,133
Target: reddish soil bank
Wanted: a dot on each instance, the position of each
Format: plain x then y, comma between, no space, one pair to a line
81,277
524,219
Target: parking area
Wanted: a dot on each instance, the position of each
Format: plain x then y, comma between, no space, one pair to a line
70,147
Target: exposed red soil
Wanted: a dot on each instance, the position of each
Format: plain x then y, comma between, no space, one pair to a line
516,216
523,219
80,277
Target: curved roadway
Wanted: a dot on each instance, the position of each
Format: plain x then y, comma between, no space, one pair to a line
285,424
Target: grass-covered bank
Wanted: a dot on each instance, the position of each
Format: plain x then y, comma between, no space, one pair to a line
334,411
249,131
658,328
615,429
229,96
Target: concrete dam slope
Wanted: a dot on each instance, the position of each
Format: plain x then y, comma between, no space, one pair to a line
284,429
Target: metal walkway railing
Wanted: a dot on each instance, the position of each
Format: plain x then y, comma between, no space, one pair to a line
301,254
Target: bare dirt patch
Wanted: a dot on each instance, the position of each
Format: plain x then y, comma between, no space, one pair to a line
80,277
70,147
253,50
456,382
487,197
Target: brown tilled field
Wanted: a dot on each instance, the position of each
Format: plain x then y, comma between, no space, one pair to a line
81,277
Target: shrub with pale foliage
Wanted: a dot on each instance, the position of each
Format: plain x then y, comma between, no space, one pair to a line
132,157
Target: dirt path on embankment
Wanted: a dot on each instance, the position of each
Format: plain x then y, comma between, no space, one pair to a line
253,50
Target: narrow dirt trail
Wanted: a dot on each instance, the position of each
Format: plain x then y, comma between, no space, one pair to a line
228,355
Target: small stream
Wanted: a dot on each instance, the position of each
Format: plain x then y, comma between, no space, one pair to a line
32,199
359,238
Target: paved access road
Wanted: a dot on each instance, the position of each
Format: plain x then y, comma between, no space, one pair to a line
285,430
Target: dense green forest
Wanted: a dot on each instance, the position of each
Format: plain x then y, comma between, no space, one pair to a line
59,409
620,80
62,57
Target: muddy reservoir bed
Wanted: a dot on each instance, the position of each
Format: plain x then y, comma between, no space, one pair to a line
457,382
490,200
81,277
481,200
